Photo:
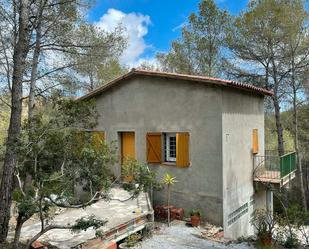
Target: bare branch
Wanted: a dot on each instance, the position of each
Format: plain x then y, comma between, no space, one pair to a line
6,103
20,184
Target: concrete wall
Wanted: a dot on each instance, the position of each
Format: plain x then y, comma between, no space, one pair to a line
220,122
242,112
145,104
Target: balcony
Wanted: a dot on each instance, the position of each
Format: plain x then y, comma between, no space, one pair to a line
272,169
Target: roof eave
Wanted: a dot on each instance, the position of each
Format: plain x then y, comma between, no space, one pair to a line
220,82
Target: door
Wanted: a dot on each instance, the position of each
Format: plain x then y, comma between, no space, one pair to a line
127,146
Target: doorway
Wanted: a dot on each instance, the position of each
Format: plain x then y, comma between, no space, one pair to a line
127,146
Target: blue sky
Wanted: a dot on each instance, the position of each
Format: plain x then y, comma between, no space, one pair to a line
151,24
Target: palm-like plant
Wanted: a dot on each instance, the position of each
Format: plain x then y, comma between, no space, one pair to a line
169,181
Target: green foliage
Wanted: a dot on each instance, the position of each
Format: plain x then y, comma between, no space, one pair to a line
264,222
27,207
98,62
271,142
143,178
199,50
169,180
4,123
110,70
196,212
130,167
27,204
53,154
290,228
133,239
82,224
291,242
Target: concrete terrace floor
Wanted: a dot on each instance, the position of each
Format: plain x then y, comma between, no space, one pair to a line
116,212
179,236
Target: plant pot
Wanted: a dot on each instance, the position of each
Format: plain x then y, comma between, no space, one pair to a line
195,221
128,178
265,239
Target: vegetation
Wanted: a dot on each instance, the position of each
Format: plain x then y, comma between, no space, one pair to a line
287,229
42,45
196,212
141,178
133,239
49,52
169,181
265,45
264,223
57,158
200,48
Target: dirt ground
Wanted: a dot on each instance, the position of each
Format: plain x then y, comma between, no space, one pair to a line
180,236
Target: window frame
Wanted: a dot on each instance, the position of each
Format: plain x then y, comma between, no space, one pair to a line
166,147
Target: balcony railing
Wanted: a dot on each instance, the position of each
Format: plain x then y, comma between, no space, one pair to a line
271,168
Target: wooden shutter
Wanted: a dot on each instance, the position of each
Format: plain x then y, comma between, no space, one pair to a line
182,149
97,138
127,146
154,147
255,141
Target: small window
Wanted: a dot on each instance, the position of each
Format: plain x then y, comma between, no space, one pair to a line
170,147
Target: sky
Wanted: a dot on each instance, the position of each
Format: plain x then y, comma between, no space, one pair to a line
151,24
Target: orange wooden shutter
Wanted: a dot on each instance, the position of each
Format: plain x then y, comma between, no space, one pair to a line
127,146
154,149
255,141
182,149
97,138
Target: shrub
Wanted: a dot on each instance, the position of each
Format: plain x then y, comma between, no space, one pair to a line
264,223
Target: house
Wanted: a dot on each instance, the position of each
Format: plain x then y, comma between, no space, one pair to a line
207,132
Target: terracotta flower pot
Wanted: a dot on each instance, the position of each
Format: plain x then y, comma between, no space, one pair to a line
266,239
195,221
128,178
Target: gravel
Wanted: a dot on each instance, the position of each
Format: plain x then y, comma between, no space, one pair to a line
179,236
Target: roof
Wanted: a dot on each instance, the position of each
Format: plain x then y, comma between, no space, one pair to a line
203,79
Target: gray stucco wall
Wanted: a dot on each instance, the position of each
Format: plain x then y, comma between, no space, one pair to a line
146,104
220,122
242,112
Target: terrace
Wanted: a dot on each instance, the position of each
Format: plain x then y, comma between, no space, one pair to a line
274,169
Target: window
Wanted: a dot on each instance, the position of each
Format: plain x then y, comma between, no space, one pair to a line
170,147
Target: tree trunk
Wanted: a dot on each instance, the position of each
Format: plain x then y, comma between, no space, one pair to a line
296,142
277,106
18,227
34,64
168,206
278,127
32,88
19,58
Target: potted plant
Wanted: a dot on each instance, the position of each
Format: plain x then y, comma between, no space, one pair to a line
169,181
264,223
131,241
195,217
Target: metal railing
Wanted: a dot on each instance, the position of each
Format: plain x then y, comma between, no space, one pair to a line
287,164
273,167
267,167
